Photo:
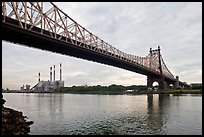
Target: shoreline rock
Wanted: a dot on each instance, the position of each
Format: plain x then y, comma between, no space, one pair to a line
13,122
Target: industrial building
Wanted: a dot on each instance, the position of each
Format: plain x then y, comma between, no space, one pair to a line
25,88
48,86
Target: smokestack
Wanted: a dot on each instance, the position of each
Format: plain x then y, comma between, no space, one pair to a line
54,72
60,72
39,77
50,73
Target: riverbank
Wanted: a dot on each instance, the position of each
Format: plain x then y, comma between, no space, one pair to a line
13,122
183,91
121,91
169,92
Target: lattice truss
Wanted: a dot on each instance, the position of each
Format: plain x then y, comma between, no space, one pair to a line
54,23
152,60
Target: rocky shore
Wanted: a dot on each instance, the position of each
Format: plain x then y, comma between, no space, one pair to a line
13,122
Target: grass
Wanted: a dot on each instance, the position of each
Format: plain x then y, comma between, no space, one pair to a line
183,91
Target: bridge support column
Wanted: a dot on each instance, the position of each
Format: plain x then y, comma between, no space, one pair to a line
163,85
176,84
166,85
150,81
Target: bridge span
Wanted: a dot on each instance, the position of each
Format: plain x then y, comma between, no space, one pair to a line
31,24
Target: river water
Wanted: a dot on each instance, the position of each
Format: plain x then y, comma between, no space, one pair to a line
80,114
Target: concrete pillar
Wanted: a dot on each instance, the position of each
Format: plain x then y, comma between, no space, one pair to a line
176,84
149,82
163,85
166,85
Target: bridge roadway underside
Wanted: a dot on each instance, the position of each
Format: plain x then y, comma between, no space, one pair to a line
12,33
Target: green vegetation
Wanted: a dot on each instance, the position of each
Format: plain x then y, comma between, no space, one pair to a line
190,90
112,89
184,91
120,90
197,87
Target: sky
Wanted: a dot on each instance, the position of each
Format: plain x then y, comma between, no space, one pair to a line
131,27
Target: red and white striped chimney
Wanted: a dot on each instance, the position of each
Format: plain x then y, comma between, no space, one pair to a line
39,77
60,72
50,73
54,73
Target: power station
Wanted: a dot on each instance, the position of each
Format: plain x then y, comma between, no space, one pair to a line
48,86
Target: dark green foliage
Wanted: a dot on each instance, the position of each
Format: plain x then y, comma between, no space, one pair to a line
197,87
112,89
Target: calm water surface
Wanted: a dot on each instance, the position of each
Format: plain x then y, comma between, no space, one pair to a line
66,114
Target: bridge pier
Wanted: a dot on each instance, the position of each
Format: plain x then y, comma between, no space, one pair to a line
176,84
163,85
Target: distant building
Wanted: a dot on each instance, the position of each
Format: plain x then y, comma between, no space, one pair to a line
47,86
25,88
195,84
129,91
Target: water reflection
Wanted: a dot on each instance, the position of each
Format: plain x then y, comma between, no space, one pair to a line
67,114
47,112
145,117
53,101
156,118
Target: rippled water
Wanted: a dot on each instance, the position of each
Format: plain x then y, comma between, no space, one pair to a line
67,114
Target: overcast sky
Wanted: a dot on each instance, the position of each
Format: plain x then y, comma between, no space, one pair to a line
132,28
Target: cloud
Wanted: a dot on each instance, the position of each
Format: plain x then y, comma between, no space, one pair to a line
132,28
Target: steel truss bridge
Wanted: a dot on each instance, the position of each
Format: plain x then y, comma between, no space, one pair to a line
43,25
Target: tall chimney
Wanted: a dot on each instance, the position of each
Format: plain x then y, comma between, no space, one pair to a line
60,72
39,77
50,73
54,72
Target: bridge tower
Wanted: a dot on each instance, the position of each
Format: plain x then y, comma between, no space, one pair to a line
163,84
151,79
